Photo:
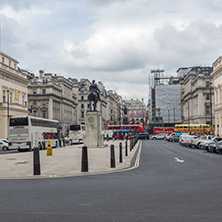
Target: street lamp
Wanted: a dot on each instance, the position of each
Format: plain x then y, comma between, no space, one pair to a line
211,115
8,108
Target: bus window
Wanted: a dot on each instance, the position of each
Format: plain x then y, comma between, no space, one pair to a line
75,127
19,122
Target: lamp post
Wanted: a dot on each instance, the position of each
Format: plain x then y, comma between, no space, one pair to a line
211,115
8,109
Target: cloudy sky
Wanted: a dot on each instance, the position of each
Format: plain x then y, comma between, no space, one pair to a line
117,42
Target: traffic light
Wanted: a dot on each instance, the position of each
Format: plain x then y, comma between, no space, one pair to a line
16,94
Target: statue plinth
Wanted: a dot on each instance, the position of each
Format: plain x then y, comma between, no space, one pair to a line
93,137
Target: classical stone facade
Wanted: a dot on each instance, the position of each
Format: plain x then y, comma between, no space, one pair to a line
197,96
53,97
13,92
136,111
217,82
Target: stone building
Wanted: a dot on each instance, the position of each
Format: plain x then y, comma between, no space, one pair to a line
217,83
13,92
136,111
197,96
53,97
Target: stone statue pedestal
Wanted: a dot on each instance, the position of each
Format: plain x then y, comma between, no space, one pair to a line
93,137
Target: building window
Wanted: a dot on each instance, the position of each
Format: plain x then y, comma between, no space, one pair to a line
82,106
207,84
82,97
9,63
14,65
207,96
44,114
23,100
82,114
43,91
4,97
10,97
207,109
44,102
34,91
34,102
3,60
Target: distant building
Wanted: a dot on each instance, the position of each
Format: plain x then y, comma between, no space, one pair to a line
53,97
13,92
217,83
164,105
197,96
136,111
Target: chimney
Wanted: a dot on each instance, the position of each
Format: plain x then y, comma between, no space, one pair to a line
41,72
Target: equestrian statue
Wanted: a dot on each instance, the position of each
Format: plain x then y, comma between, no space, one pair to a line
93,95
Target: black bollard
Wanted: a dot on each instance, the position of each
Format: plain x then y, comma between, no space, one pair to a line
120,153
112,156
64,144
84,159
131,144
36,162
126,150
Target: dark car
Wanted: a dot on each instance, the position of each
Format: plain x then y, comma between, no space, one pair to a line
142,136
174,138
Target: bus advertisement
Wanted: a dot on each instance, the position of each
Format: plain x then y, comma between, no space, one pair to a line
27,132
163,130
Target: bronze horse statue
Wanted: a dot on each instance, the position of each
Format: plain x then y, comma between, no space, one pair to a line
93,95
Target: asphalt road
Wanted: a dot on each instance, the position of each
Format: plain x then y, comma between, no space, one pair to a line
172,183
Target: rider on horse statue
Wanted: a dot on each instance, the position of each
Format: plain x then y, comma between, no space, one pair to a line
93,94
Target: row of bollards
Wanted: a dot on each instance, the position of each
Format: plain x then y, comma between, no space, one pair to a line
84,162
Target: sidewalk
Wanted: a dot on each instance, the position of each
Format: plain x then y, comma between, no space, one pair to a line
65,162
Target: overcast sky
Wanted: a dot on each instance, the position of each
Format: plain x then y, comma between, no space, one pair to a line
117,42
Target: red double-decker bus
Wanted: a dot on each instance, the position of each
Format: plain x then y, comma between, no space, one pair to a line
126,129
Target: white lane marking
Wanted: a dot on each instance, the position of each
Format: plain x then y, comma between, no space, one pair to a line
178,160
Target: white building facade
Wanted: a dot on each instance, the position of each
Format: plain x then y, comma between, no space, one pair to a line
217,82
13,92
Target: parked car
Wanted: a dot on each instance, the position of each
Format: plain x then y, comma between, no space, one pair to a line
197,141
3,145
218,148
169,136
204,145
212,147
159,136
174,138
142,136
185,140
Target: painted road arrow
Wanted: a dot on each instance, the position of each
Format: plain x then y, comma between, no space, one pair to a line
178,160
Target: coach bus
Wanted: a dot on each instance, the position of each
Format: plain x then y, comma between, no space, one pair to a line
193,128
27,132
76,133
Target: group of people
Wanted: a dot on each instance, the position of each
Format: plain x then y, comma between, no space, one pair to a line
116,136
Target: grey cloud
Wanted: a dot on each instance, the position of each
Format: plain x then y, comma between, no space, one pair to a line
194,45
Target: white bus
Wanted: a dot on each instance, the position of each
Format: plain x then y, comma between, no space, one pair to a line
27,132
76,133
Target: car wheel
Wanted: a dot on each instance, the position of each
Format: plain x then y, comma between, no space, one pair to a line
154,138
4,148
